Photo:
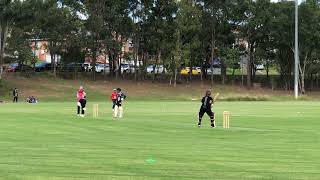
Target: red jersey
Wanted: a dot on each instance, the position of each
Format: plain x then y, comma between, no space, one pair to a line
113,96
80,94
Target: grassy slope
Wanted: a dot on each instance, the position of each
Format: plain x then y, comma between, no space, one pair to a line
64,90
267,140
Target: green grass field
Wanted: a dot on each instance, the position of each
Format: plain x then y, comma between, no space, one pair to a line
160,140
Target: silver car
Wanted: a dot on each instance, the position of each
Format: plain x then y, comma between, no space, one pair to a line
100,68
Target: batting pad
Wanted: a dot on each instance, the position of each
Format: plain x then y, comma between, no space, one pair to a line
115,112
120,112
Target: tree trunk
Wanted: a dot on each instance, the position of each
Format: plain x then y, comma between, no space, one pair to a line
212,44
154,72
267,69
302,71
1,52
191,68
53,62
249,68
94,62
111,67
135,58
223,72
3,38
175,77
54,66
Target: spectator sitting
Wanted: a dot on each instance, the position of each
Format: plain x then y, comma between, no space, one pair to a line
32,100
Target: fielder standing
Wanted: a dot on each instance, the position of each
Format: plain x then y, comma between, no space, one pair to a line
206,106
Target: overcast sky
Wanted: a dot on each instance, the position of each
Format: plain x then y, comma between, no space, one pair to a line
279,0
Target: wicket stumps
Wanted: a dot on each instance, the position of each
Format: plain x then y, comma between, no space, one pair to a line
95,110
226,119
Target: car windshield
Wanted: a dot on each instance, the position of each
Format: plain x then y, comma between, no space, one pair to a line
13,65
102,65
41,64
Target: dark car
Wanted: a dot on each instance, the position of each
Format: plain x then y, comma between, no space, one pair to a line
74,67
44,66
18,67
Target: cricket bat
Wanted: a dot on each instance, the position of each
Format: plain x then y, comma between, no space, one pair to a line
215,98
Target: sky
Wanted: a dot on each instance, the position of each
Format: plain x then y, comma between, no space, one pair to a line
291,0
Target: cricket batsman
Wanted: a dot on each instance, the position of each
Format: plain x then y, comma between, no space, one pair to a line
118,110
81,101
206,106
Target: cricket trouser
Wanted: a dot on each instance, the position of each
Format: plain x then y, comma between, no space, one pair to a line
113,104
81,106
209,112
118,111
15,99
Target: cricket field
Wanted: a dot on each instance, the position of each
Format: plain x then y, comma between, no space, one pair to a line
160,140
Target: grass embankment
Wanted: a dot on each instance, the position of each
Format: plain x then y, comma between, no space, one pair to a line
49,89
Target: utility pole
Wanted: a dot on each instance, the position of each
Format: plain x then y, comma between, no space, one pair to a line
296,54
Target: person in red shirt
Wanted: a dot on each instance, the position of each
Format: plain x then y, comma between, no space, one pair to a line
81,101
113,98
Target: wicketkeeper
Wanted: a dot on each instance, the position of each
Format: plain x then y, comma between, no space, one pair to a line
206,106
118,110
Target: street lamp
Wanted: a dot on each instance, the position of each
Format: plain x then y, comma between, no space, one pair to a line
296,54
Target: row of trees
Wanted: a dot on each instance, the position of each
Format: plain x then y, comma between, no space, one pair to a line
169,32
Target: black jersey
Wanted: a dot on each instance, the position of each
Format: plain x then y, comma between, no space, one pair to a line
15,93
120,97
206,102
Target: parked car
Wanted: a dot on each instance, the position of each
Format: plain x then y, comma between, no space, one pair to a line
158,69
87,67
195,71
44,66
18,67
216,70
125,68
100,68
260,67
74,67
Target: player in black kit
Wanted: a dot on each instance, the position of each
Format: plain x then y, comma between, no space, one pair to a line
207,102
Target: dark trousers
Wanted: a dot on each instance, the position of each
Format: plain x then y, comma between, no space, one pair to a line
15,99
209,113
113,103
83,103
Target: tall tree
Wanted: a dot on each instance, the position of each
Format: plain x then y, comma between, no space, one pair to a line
8,13
309,38
188,22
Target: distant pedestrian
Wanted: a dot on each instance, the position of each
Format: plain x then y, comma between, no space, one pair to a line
81,101
15,95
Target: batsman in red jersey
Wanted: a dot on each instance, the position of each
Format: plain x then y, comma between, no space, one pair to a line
81,101
113,98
